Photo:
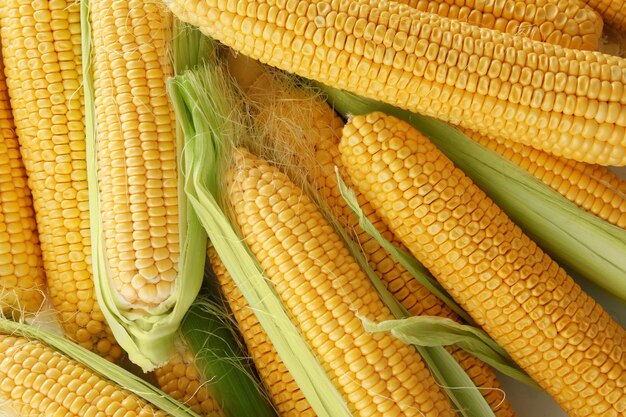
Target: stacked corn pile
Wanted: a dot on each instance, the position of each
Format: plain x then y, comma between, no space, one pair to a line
132,162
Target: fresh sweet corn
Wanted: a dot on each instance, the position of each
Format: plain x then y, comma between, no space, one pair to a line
558,334
565,101
42,55
324,289
137,167
37,380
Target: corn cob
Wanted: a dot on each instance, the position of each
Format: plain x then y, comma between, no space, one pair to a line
310,127
280,224
42,53
180,379
22,285
612,11
567,23
137,175
592,187
36,380
564,101
524,300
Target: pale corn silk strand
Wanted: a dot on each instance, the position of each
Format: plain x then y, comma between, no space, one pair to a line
42,55
565,101
523,299
22,286
303,130
137,167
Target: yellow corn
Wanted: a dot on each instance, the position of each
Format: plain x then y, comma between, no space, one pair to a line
136,148
180,379
22,285
42,55
565,101
568,23
523,299
612,11
592,187
37,380
310,127
324,290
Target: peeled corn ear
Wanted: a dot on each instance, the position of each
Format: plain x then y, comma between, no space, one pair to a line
523,299
564,101
22,278
41,47
145,240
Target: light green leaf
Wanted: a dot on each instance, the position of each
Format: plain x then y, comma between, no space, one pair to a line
440,331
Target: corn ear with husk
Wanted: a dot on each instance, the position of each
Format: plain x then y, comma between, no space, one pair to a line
145,238
584,243
213,128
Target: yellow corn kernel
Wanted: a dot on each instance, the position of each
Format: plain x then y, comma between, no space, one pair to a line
136,148
568,23
565,101
558,334
612,11
42,55
22,280
592,187
37,380
180,379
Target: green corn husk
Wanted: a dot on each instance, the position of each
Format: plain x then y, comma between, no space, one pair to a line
578,240
227,372
101,366
146,336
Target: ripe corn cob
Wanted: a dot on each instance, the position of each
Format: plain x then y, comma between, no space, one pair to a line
324,289
592,187
136,153
42,55
612,11
568,102
180,379
22,280
283,390
567,23
524,300
308,125
37,380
